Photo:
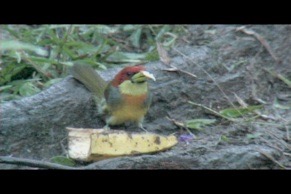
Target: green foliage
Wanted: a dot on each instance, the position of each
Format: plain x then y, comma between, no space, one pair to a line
224,138
10,71
34,57
28,89
198,124
253,136
238,112
280,76
63,161
14,45
280,106
152,56
285,80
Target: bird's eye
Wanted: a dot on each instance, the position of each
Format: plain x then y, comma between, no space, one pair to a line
129,74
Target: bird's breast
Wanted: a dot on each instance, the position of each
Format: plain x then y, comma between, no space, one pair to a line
132,108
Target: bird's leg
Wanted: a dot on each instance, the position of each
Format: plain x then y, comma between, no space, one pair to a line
139,124
141,127
112,120
106,127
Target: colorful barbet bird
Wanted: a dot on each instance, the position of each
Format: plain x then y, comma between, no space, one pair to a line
126,98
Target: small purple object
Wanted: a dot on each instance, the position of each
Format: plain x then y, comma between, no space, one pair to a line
186,138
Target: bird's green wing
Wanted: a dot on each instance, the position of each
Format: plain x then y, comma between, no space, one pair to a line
112,96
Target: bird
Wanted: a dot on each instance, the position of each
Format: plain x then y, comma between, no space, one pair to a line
126,98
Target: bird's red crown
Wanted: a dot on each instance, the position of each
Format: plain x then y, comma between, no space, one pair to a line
126,73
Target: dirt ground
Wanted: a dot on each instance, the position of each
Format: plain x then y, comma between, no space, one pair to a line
243,62
228,61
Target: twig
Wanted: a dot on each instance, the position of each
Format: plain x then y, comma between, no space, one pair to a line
286,154
265,117
254,78
278,139
279,76
245,105
215,82
180,124
64,41
163,54
287,132
240,101
261,39
173,68
35,66
42,164
212,111
63,147
33,163
270,145
166,60
272,159
255,97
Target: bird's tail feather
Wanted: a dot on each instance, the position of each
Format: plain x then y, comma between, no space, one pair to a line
90,78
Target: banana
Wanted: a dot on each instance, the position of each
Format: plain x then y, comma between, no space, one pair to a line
99,144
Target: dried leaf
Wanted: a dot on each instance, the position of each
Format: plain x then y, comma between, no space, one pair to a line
261,39
163,54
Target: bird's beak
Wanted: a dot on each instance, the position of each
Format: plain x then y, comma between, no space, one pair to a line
148,75
142,76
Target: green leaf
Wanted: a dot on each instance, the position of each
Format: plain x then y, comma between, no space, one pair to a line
104,29
47,62
11,31
165,29
285,80
123,57
101,65
170,42
44,30
103,47
233,113
4,96
17,45
69,52
2,88
88,61
135,37
253,136
10,71
199,123
67,63
18,57
279,76
152,56
63,161
52,81
224,138
130,27
28,89
278,105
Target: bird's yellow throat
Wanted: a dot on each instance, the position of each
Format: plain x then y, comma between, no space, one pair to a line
127,87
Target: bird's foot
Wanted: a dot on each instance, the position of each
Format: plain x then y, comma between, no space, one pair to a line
141,127
106,127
